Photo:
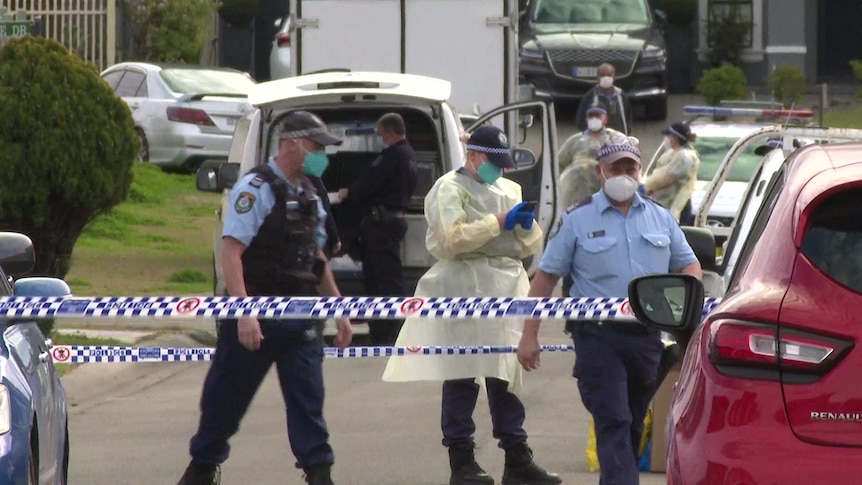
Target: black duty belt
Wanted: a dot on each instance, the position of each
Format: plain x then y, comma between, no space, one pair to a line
381,213
631,328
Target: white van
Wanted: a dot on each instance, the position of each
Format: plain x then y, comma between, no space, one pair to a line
350,103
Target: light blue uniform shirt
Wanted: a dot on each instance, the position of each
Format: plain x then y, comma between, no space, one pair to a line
603,250
250,203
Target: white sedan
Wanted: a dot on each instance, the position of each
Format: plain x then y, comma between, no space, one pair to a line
184,114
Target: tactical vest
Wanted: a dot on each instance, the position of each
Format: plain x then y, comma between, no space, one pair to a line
282,257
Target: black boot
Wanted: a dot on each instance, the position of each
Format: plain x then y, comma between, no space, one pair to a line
319,474
465,470
201,474
520,469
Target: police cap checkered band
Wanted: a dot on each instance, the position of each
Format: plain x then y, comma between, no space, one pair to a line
611,153
302,124
493,142
477,148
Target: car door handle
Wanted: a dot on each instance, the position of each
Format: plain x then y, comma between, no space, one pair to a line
134,106
45,356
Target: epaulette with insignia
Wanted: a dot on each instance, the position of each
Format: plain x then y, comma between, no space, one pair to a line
257,181
585,201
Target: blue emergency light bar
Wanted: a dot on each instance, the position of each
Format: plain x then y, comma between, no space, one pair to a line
749,112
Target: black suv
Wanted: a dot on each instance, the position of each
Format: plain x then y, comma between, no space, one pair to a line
563,42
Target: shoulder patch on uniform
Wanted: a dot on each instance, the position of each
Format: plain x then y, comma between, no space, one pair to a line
556,229
244,202
257,181
586,201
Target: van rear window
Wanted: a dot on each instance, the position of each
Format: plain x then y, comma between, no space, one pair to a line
833,239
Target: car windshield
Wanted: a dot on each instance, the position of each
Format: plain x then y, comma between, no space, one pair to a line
712,152
187,81
590,12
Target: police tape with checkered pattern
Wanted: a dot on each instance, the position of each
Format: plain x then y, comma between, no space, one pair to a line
81,354
281,307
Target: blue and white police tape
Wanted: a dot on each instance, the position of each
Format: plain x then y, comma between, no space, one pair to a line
283,307
82,354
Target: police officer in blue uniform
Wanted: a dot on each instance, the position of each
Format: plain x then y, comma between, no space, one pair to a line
272,246
384,191
603,242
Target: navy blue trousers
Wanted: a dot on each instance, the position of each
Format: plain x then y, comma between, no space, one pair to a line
459,402
382,272
616,372
235,375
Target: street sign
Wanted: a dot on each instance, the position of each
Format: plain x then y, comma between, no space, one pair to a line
15,29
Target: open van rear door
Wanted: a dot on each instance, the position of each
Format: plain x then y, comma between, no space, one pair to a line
533,137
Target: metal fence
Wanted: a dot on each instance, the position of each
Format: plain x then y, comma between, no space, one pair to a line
87,27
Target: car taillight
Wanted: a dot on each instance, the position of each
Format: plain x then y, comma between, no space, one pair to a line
741,345
190,115
283,39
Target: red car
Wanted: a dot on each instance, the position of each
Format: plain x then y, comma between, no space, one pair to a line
770,390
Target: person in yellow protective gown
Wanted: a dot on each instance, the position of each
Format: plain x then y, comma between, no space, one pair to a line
673,179
478,230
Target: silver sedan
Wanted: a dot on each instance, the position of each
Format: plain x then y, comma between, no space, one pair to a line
184,114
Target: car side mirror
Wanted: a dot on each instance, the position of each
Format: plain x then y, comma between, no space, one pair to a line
702,242
661,16
523,158
17,255
668,302
216,177
41,286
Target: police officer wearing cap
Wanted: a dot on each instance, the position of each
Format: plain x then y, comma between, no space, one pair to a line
272,246
603,243
384,190
673,179
479,230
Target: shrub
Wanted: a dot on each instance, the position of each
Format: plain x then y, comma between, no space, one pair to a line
67,144
170,30
680,12
856,65
788,84
726,82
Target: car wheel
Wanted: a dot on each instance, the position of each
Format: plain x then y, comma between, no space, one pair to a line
144,154
656,109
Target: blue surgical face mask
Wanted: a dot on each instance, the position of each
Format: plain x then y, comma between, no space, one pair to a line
314,163
488,172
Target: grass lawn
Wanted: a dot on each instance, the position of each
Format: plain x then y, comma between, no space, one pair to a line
157,242
843,118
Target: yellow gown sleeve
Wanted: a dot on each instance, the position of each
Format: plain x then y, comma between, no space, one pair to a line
449,233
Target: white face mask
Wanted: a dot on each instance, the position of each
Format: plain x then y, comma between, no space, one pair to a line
620,188
594,124
606,81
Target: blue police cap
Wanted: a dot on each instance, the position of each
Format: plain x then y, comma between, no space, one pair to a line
491,141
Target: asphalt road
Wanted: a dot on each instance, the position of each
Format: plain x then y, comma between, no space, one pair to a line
130,423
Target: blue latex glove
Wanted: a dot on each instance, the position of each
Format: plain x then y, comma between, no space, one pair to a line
519,216
642,189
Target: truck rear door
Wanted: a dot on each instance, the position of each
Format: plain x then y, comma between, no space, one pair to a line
471,43
360,35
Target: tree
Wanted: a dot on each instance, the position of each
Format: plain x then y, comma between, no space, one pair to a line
170,30
67,144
